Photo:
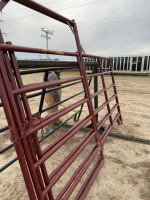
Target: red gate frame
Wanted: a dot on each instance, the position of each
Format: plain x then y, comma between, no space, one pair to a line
24,126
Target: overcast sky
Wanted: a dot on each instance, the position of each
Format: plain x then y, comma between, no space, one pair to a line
106,27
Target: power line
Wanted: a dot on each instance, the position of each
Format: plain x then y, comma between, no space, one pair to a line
85,22
56,10
27,8
89,26
117,18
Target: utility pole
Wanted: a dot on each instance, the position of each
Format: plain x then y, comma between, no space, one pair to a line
47,32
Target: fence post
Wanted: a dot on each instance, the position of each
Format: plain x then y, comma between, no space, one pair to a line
95,90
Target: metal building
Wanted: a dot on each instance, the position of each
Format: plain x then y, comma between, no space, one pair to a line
127,64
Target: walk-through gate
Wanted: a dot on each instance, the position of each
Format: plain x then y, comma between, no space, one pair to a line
23,124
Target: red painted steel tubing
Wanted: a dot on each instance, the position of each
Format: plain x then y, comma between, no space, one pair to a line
18,102
43,168
53,149
102,121
103,105
81,147
68,184
93,56
50,118
101,91
85,85
98,74
67,158
115,91
9,91
26,107
106,132
3,3
18,148
43,10
42,85
80,123
104,87
89,180
69,192
7,47
19,125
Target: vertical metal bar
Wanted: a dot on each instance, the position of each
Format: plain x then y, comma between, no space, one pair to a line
18,103
102,63
19,126
120,65
18,148
77,115
29,115
43,94
131,59
136,63
127,62
95,90
142,67
105,92
113,63
123,63
116,63
115,91
147,64
86,88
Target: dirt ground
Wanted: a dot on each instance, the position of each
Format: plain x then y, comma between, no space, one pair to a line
126,170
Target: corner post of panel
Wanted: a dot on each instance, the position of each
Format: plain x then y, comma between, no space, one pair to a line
124,63
136,63
143,57
131,60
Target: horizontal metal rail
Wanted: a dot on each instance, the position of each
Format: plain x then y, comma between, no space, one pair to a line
8,164
66,136
89,180
50,118
42,85
11,145
106,117
79,148
106,132
33,71
48,90
29,96
81,174
104,104
7,47
41,140
6,148
80,168
93,56
4,129
60,65
98,74
101,91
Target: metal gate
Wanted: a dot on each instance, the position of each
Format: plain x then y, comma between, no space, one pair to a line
24,125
